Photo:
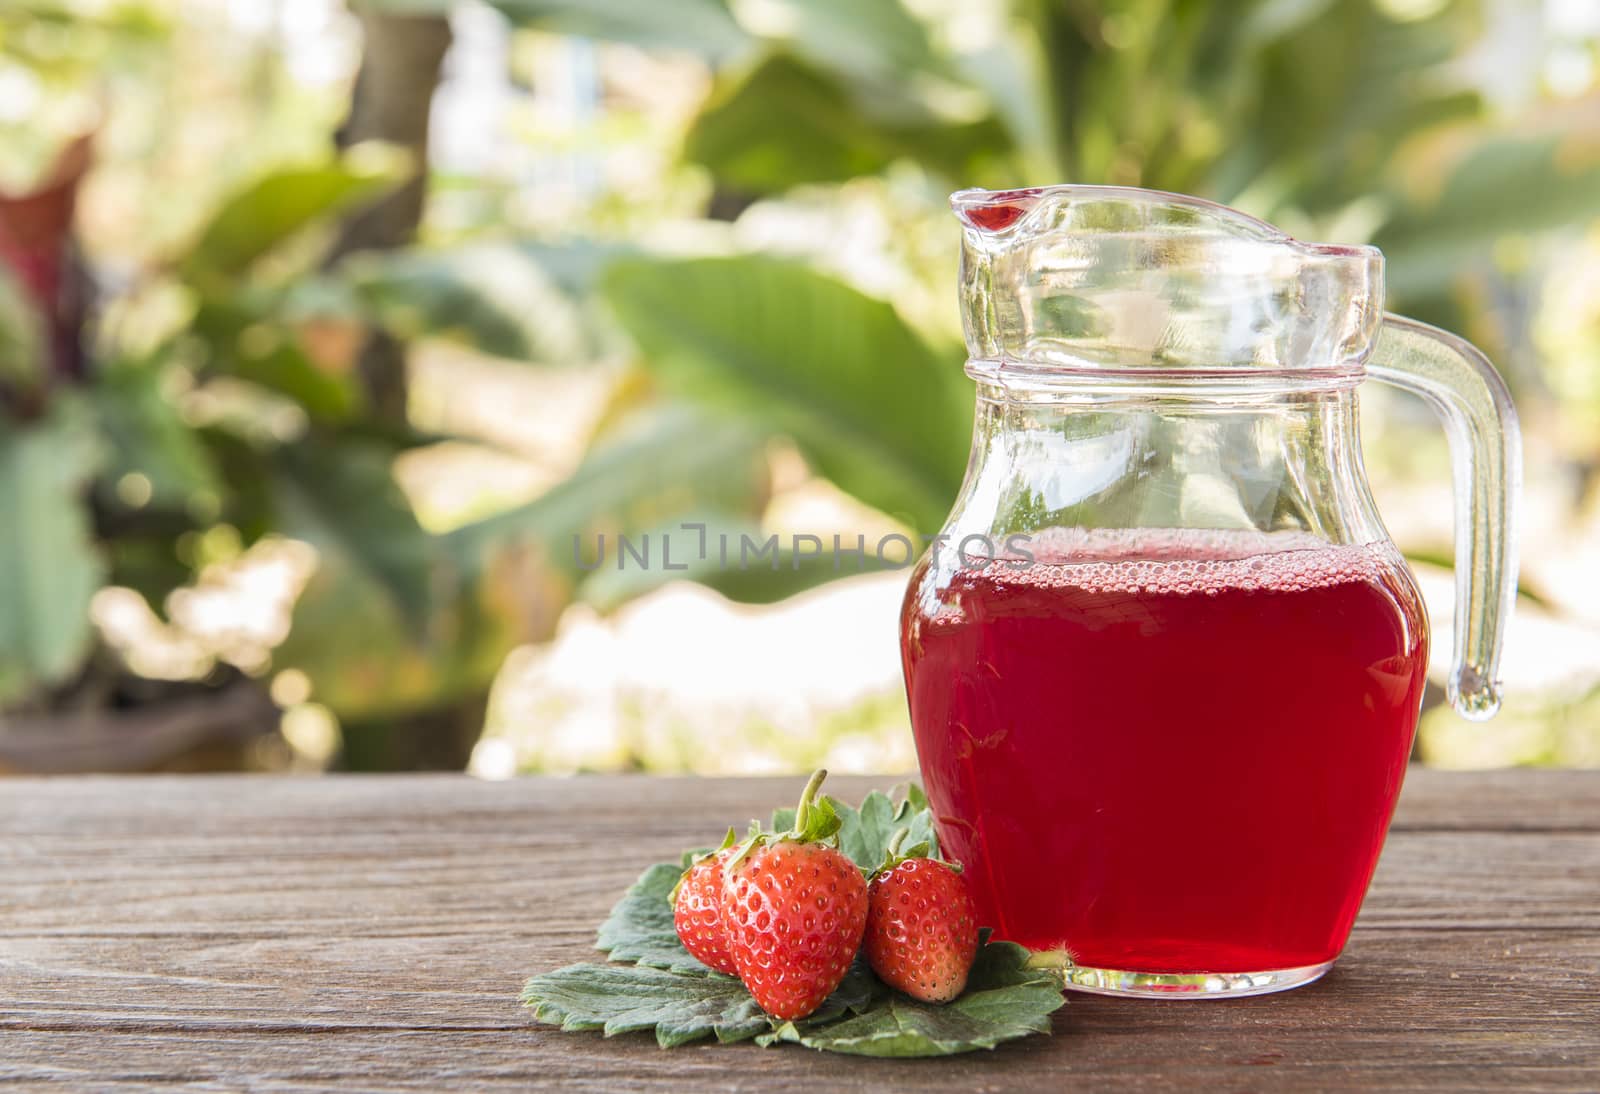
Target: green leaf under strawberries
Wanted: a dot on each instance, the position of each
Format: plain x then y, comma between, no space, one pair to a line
1004,1000
679,1008
627,998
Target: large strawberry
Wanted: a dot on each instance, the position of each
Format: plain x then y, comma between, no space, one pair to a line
794,909
922,929
697,909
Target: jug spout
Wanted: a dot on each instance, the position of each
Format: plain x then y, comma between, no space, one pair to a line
1110,278
993,210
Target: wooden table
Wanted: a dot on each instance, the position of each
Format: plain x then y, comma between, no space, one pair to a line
372,933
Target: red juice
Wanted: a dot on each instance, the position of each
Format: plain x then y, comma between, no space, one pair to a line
1169,751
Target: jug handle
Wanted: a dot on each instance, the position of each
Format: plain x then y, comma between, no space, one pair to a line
1486,453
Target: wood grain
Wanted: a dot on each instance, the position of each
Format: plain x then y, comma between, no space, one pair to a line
371,933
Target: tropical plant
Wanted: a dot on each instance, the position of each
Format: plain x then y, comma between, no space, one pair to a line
263,412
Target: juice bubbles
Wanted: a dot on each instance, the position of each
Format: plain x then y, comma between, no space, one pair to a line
1168,751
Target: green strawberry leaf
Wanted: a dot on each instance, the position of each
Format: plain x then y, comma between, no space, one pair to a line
679,1008
857,992
640,929
916,817
913,798
864,833
1004,1000
626,998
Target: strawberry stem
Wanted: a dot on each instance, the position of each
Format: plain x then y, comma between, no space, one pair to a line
897,852
816,819
802,812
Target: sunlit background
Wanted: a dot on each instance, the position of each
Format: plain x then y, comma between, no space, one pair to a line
295,441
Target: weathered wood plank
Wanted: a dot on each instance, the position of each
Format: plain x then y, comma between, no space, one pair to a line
372,933
1515,800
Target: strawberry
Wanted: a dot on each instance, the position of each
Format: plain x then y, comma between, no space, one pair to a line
922,930
697,909
794,909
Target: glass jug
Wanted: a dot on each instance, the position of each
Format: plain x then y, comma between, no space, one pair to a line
1164,663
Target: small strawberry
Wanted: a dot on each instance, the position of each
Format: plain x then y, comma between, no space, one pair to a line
794,909
697,909
922,930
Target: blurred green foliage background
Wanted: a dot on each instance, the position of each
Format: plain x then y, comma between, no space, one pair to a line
324,330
